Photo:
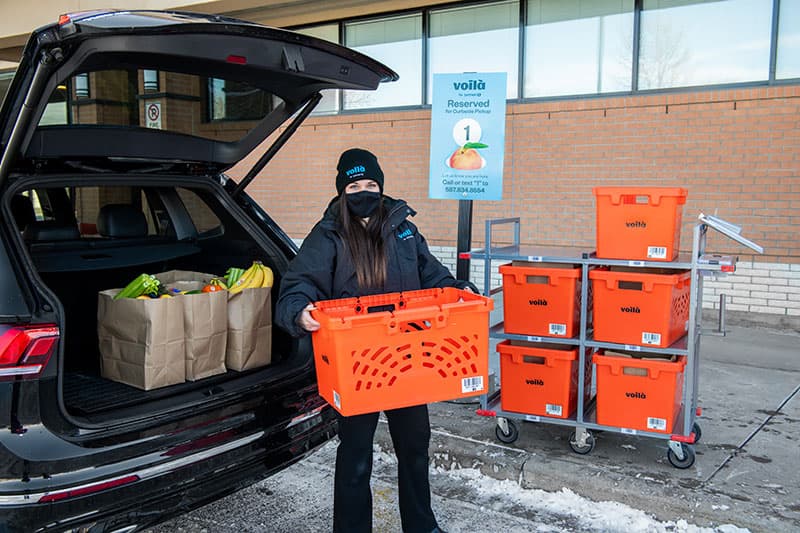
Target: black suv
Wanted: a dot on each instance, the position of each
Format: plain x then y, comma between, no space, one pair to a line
117,132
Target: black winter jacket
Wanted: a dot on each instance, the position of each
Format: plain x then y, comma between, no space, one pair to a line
324,270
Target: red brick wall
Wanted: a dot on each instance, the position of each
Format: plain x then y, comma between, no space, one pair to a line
736,151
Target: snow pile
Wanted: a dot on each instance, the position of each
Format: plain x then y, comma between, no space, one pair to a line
605,516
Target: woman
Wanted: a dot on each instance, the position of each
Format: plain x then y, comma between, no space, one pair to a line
365,245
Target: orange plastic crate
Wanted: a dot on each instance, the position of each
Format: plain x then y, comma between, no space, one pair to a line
638,393
641,223
541,379
640,308
541,300
401,349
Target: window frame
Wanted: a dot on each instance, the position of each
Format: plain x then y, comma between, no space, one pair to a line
634,90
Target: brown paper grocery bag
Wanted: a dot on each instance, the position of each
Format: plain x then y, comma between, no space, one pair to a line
171,276
141,341
205,324
249,329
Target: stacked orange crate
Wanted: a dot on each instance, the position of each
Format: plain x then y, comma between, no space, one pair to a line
540,299
541,378
642,307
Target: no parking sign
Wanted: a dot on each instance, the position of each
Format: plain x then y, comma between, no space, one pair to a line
152,114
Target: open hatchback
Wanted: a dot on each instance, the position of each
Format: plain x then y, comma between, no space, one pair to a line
116,134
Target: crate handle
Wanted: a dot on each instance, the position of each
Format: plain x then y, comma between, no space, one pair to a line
400,324
379,308
528,359
634,371
630,285
537,280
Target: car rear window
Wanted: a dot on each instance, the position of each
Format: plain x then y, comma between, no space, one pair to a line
210,108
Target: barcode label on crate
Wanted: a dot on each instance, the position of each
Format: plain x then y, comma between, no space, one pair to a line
472,384
553,410
558,329
628,431
651,338
337,400
659,424
657,252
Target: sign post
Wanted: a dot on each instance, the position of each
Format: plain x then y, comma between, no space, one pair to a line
468,114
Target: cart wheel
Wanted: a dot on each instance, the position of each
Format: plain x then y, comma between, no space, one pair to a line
688,457
511,435
583,450
697,432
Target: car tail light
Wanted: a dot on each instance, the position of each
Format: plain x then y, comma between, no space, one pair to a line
25,350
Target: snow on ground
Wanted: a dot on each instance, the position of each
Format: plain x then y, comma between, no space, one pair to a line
606,516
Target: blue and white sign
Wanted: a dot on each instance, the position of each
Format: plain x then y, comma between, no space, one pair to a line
468,130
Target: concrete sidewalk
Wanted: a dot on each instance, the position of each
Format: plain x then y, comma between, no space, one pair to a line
746,472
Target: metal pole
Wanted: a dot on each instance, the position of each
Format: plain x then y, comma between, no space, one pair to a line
464,239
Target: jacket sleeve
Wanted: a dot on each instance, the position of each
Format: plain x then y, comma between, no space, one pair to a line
308,279
432,273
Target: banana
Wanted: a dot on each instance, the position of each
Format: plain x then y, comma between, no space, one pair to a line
219,282
243,282
258,277
269,278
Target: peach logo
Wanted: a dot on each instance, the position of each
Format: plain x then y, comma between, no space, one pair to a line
467,157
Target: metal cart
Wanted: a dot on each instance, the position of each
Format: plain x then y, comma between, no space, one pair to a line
686,431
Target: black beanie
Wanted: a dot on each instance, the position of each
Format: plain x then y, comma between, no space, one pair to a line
357,164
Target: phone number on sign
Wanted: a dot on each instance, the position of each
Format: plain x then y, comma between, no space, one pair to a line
465,189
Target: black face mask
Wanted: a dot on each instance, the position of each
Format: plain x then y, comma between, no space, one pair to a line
363,204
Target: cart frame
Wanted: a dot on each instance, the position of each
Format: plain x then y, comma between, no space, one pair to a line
686,431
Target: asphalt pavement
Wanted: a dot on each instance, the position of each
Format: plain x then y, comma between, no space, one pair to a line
746,470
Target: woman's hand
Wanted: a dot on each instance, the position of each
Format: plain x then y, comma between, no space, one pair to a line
305,321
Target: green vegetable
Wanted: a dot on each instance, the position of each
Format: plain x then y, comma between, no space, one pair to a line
143,284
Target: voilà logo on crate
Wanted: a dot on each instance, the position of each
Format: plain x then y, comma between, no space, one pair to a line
538,301
630,309
538,382
637,395
636,224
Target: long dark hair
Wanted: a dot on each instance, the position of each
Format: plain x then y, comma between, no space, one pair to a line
365,243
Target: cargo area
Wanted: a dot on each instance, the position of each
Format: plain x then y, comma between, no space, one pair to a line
85,240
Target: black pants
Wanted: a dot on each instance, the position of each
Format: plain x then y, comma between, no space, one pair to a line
352,499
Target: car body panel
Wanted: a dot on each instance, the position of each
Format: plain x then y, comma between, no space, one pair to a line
292,66
60,471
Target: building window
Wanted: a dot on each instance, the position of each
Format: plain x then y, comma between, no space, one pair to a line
56,111
150,81
330,97
233,100
396,42
478,38
81,85
578,47
703,42
788,65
